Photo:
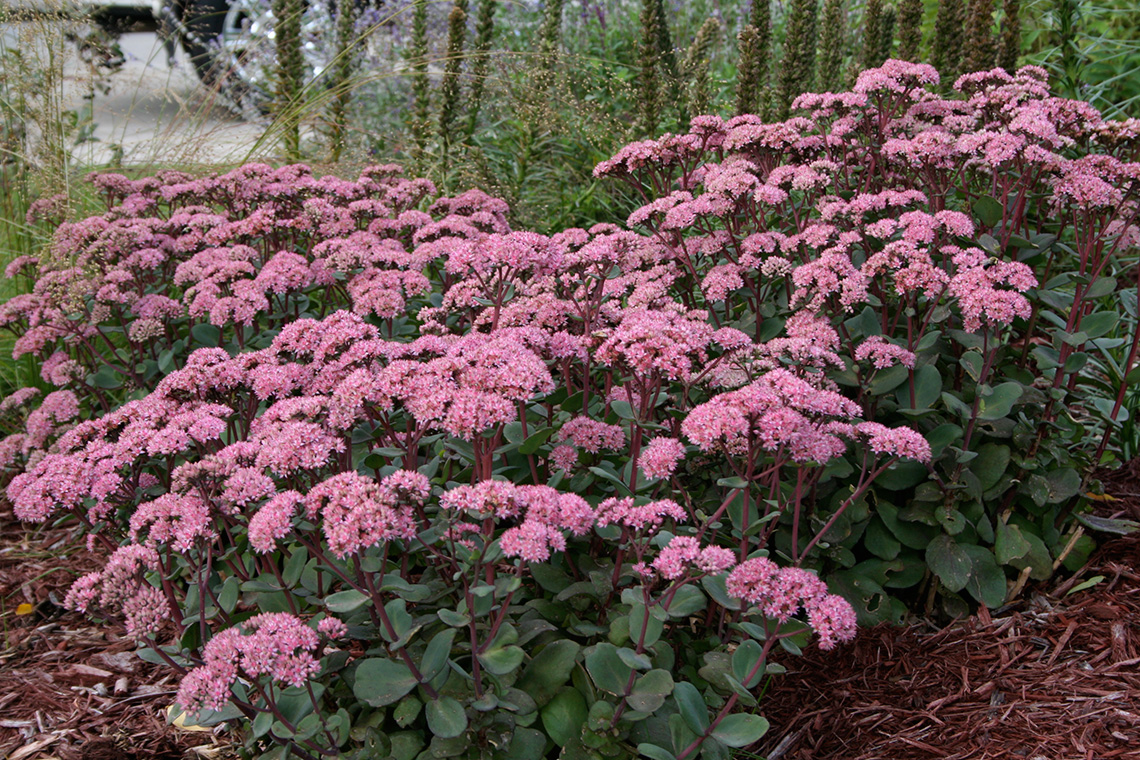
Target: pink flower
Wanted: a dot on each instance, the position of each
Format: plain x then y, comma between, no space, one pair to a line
274,645
146,612
898,442
883,354
833,619
532,541
673,561
646,517
333,628
564,457
779,592
660,457
273,521
592,435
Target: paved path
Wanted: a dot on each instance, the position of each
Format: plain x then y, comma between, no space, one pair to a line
159,113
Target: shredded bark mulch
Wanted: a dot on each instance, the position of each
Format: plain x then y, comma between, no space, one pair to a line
1054,676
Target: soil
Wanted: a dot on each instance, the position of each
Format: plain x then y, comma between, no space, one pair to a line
1053,676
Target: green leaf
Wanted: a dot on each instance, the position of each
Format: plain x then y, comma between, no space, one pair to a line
1093,581
1009,544
206,335
407,711
622,409
1064,484
532,443
605,666
228,597
502,661
988,211
565,716
1036,488
741,730
987,580
971,361
692,706
346,601
453,618
990,464
687,601
956,405
746,662
654,752
381,681
1118,526
446,717
1000,401
549,670
888,379
901,475
436,654
942,436
910,534
1100,323
650,691
927,386
949,561
513,432
715,586
1100,288
640,617
106,378
527,744
879,540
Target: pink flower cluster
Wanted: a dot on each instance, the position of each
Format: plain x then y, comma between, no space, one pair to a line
685,555
274,645
781,593
543,515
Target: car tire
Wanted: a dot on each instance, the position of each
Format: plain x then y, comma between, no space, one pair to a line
203,19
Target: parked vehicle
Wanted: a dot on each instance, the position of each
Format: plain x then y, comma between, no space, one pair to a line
230,43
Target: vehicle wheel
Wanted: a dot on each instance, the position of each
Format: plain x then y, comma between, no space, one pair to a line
203,20
231,44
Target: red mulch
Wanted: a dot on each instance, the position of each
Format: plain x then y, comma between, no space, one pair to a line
71,690
1056,676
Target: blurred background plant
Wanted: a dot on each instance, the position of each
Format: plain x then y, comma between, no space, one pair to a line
522,99
1091,50
39,127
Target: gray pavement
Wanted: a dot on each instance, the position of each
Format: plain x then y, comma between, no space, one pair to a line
157,112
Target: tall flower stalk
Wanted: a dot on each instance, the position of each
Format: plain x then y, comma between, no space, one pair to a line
872,34
290,71
981,48
649,57
480,60
831,46
797,72
755,42
342,73
1009,45
697,67
421,90
449,85
910,29
946,50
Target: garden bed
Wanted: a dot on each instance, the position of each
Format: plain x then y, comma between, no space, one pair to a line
69,689
1054,675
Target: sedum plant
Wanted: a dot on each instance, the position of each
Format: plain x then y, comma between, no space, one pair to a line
382,476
